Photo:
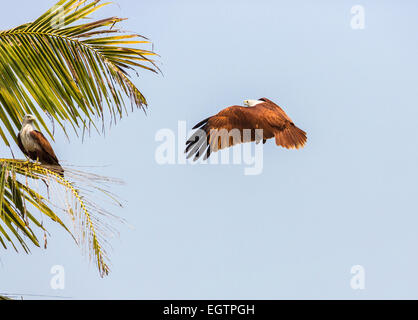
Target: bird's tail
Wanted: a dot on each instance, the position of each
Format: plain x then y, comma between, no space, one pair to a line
291,137
56,168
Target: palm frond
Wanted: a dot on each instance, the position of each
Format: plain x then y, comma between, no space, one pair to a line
20,198
73,70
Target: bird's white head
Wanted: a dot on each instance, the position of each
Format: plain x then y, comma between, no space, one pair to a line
252,103
28,119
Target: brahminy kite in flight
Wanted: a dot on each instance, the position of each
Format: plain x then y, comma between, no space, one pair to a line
36,147
259,114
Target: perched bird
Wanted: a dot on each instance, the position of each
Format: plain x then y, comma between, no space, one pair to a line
259,114
36,147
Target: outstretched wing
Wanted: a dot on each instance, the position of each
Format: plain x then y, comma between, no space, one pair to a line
238,124
48,154
231,126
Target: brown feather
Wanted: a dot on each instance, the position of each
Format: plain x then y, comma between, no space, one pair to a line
47,155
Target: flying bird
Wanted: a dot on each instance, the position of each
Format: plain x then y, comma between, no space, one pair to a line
258,114
36,147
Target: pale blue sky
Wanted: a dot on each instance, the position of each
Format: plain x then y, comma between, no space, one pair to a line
295,231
